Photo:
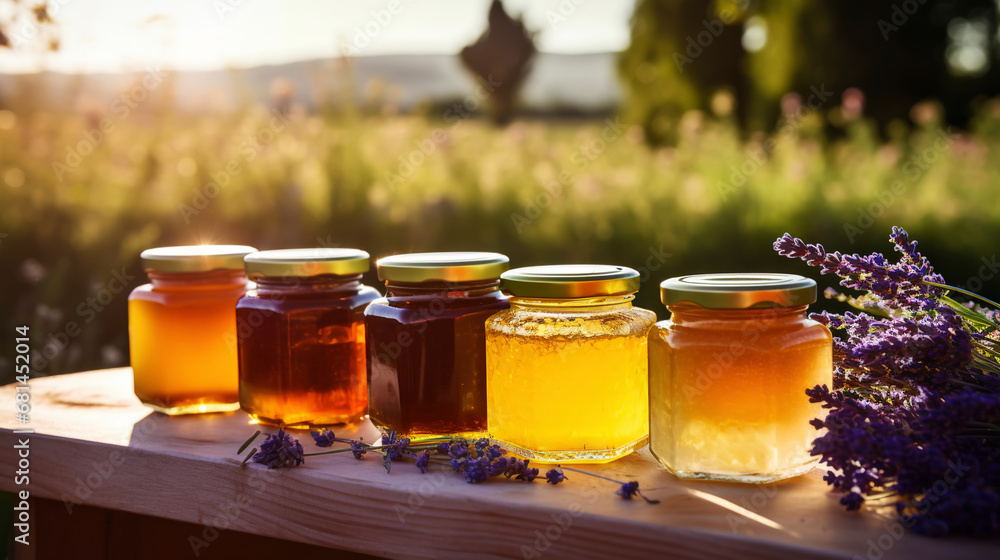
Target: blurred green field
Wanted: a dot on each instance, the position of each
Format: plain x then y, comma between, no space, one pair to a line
338,178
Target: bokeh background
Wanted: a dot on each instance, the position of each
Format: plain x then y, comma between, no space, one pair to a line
673,137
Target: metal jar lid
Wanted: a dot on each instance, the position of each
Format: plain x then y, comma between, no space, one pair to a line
195,258
739,291
570,281
307,262
442,267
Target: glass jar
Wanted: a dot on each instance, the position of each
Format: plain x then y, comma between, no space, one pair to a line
301,337
426,343
566,365
182,328
728,374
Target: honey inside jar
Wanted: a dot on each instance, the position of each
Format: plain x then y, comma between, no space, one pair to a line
426,346
727,385
567,376
301,337
182,328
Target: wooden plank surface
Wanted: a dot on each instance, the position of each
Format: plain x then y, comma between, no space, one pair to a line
95,444
91,533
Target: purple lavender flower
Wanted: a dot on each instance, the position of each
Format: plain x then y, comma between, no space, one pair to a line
852,500
956,509
625,489
459,454
915,410
498,466
529,475
628,489
515,467
554,476
357,449
481,462
394,448
476,470
398,449
493,451
423,459
280,451
520,470
894,284
325,438
458,450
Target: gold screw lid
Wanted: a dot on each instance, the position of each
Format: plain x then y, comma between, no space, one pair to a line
195,258
570,281
442,267
739,291
307,262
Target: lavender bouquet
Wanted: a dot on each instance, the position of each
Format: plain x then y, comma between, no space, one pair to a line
914,414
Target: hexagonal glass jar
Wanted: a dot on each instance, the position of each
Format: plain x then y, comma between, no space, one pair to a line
728,373
426,343
301,337
567,364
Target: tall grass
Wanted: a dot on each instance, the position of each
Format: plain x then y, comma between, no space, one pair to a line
336,178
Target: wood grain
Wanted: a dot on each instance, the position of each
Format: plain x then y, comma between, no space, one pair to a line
95,444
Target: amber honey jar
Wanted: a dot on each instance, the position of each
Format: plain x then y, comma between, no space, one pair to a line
182,328
566,365
728,373
301,337
426,351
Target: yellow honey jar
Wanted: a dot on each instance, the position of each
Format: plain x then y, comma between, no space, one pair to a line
566,364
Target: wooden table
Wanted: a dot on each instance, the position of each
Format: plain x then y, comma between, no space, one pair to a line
97,446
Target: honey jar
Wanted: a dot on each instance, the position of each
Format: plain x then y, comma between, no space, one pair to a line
728,373
301,337
182,328
566,364
427,343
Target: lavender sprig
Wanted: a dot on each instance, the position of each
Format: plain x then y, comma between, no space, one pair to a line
625,489
477,461
554,476
914,414
280,451
906,285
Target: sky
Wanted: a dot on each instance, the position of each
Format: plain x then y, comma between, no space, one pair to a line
126,35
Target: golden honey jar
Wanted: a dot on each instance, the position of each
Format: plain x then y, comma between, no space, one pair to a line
566,364
182,328
728,373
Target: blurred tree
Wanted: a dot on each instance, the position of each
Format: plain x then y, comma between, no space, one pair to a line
681,52
897,52
501,58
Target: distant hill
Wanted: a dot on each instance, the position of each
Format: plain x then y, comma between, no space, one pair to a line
584,83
